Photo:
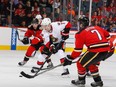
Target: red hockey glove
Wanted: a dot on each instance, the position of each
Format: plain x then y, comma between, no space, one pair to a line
68,60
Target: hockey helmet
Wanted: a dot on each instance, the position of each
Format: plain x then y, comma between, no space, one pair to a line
46,21
84,21
38,17
35,21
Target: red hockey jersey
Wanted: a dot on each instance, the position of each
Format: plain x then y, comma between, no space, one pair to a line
94,37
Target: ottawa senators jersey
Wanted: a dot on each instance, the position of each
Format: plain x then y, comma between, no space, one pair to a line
60,29
45,36
95,39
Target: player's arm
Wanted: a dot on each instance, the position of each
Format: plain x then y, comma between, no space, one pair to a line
77,50
26,37
66,30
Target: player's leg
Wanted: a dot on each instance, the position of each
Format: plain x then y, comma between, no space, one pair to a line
31,51
61,54
89,60
81,76
46,53
95,74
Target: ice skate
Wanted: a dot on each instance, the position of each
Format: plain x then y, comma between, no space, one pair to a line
65,73
79,83
97,84
34,69
22,63
88,74
50,65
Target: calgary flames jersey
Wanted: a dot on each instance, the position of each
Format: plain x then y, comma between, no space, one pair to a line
94,37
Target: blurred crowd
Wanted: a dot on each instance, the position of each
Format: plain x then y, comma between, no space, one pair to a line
23,12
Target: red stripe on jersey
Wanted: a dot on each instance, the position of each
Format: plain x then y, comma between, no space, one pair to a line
68,25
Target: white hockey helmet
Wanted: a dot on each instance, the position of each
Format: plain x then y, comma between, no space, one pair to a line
38,17
46,21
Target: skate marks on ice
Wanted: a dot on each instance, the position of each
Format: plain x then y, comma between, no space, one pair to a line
10,71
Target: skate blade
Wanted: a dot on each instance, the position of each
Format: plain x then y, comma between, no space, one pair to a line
78,85
66,76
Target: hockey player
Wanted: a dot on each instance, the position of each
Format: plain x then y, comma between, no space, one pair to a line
35,43
57,32
98,48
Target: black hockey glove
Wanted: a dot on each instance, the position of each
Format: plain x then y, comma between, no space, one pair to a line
46,51
53,49
59,46
65,37
25,40
68,60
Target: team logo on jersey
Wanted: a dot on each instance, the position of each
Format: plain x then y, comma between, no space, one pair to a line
54,39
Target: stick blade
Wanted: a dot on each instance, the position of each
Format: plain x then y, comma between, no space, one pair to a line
26,75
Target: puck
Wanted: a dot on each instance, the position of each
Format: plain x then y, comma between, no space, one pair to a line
20,76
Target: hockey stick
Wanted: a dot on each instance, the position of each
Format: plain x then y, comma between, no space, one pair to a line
39,68
18,35
29,76
32,76
18,32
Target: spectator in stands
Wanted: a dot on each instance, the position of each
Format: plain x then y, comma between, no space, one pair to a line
28,18
57,5
114,27
94,16
49,6
8,8
28,7
44,15
104,11
35,9
71,11
20,2
42,4
19,14
23,24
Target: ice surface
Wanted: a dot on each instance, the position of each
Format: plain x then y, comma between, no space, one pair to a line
10,71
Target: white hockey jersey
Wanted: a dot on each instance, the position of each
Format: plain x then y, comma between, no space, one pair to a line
57,29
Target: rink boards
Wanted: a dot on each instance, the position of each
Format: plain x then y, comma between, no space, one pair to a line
9,40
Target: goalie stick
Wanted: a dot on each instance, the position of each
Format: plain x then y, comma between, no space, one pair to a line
36,74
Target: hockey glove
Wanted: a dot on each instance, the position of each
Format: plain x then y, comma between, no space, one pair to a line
68,60
65,37
59,46
46,51
53,49
25,40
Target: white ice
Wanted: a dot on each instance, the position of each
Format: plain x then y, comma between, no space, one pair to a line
10,71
